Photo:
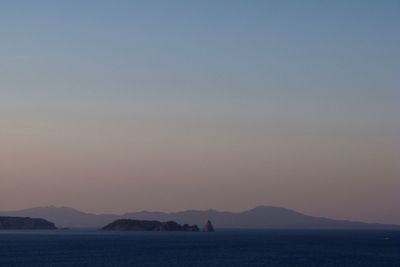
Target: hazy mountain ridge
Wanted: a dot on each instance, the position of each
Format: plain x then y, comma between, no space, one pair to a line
262,217
65,216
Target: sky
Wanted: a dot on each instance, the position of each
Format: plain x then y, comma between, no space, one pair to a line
117,106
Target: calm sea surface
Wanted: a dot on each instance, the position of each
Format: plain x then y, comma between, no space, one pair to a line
223,248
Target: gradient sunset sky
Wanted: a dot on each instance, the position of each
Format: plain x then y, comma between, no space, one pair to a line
117,106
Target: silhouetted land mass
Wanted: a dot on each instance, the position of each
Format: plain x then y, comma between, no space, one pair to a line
140,225
263,217
208,227
20,223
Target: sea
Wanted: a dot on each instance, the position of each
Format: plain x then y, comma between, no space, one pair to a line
289,248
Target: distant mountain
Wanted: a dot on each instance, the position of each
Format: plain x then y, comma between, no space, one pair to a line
262,217
65,217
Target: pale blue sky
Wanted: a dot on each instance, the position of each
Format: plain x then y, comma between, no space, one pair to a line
288,102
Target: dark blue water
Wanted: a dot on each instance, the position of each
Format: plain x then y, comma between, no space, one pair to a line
223,248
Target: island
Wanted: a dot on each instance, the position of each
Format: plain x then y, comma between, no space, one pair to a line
25,223
142,225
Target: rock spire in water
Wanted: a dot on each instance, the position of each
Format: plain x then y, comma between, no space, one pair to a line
208,227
